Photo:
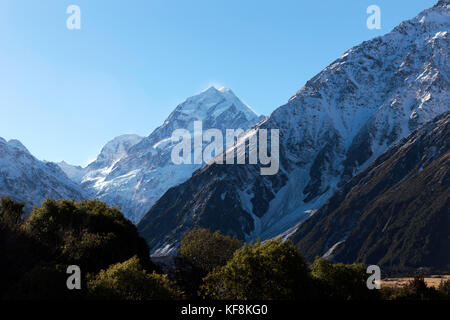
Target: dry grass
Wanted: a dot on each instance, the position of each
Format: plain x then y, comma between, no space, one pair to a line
432,281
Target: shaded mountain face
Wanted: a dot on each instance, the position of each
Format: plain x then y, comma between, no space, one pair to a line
395,213
336,125
133,172
24,178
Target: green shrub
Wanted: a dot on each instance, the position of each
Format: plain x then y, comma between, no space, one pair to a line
87,233
270,270
200,252
11,212
207,250
128,281
416,289
35,252
341,281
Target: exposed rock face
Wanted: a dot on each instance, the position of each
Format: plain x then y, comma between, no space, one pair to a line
133,172
342,119
395,213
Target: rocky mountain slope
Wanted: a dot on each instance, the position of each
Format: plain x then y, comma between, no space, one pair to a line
395,213
26,179
341,120
133,172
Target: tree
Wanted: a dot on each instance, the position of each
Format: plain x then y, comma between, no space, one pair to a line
444,289
19,253
340,281
416,289
44,282
200,252
87,233
207,250
128,281
271,270
11,212
35,253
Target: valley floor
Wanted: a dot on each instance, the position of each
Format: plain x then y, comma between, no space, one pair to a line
431,281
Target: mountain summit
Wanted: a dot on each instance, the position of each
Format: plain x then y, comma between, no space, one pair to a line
212,102
133,172
341,120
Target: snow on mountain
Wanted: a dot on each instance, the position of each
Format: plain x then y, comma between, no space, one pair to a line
133,172
394,213
26,179
115,150
74,173
331,129
112,152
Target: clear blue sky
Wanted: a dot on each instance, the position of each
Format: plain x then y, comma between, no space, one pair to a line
65,93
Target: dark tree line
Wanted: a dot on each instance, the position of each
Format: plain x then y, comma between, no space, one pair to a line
35,252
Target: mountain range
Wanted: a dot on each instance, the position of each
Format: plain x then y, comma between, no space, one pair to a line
395,213
363,161
27,179
133,172
342,119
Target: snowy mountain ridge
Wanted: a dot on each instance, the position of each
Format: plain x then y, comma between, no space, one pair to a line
336,125
133,172
27,179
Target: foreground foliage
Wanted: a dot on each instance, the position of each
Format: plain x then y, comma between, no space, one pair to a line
200,252
417,289
207,250
341,281
35,252
270,270
128,281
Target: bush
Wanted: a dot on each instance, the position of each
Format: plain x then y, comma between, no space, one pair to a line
416,289
444,289
19,253
207,250
11,212
341,281
35,252
87,233
270,270
128,281
200,252
44,282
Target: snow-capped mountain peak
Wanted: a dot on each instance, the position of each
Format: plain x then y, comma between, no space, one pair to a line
27,179
332,128
116,149
219,99
133,172
212,106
